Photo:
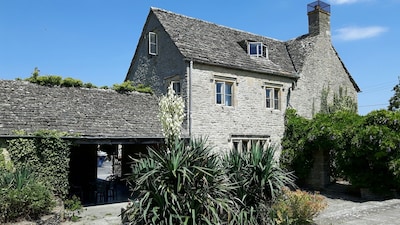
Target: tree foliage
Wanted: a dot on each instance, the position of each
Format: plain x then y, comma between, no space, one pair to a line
394,102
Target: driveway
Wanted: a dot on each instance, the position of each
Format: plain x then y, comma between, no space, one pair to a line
347,209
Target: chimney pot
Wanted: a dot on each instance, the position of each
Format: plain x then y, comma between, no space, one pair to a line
319,18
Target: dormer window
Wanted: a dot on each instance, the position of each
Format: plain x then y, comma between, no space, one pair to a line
153,43
257,49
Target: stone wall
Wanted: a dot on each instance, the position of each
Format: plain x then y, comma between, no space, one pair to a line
155,70
322,69
247,117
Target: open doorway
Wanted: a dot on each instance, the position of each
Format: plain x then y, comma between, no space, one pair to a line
110,187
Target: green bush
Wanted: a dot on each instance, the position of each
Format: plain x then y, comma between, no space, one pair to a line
50,80
22,195
184,184
71,82
89,85
297,207
73,207
128,86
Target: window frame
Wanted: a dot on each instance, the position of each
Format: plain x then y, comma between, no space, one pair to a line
261,49
178,83
153,43
223,93
244,143
274,100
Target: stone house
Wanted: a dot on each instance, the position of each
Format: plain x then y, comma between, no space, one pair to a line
238,85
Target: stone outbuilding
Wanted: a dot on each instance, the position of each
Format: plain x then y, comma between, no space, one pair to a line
121,125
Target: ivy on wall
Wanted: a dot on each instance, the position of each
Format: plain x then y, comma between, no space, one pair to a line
47,155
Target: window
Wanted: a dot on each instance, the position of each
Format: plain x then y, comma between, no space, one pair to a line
153,43
257,49
272,98
246,143
223,93
176,86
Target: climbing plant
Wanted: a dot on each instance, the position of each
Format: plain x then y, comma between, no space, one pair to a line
46,154
363,149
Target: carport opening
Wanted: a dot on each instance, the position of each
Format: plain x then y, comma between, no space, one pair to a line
98,172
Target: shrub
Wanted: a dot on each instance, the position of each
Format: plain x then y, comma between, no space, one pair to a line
23,196
89,85
180,185
128,86
50,80
297,207
71,82
73,207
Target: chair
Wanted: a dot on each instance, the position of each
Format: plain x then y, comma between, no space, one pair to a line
101,192
111,186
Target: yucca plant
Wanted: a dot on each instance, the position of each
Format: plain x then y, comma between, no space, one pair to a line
259,178
23,196
180,184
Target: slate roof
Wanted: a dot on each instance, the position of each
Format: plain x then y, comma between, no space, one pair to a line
95,113
210,43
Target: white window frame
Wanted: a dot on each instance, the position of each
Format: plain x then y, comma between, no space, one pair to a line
274,100
261,49
223,93
176,86
153,43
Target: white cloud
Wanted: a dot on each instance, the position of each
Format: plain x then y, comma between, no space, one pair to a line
341,2
356,33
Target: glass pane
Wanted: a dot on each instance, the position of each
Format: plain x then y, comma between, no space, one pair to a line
218,88
228,100
253,49
218,91
153,48
259,49
219,98
276,98
268,97
228,89
176,86
228,94
153,38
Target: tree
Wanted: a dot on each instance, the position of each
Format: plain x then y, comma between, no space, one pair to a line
394,102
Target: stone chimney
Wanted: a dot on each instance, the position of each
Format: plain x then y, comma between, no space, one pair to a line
319,18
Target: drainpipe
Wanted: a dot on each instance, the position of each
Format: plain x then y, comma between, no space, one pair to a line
190,98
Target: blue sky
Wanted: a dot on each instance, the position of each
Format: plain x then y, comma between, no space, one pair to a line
94,40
